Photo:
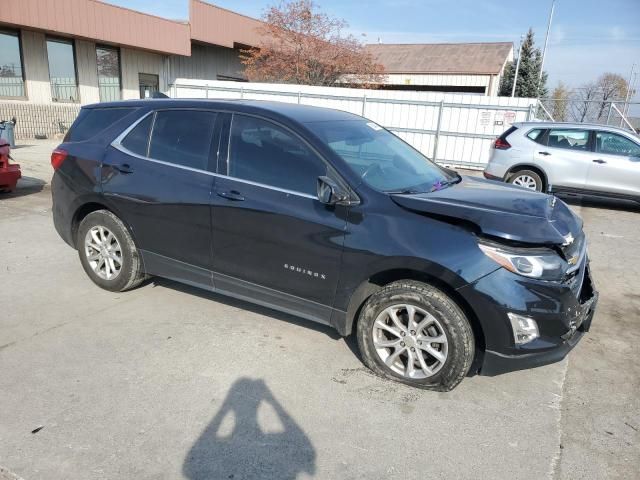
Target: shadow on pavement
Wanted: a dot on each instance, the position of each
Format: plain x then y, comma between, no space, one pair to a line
236,445
25,186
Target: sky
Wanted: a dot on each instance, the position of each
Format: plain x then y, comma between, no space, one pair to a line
587,38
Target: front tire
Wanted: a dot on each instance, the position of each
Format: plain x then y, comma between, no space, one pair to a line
414,333
107,252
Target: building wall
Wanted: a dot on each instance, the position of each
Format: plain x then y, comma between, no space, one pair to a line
87,68
442,80
134,62
100,21
206,62
36,68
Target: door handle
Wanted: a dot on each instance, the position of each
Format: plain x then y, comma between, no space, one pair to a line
232,195
124,168
599,160
544,153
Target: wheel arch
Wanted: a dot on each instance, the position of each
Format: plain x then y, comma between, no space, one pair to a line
89,206
377,281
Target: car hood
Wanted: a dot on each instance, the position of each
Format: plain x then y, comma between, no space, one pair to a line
499,210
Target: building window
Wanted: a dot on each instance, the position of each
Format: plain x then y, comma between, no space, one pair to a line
62,70
11,73
108,73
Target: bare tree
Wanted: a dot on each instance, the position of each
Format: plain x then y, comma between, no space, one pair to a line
583,102
305,46
611,86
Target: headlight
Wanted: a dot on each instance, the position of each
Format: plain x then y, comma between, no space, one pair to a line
541,263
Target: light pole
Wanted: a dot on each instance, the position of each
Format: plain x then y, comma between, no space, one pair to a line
546,40
515,75
630,83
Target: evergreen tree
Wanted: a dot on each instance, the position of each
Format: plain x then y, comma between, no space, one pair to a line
528,83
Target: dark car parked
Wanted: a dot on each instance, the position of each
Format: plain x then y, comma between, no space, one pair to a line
328,216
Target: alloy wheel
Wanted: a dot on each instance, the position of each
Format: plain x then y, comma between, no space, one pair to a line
525,181
410,341
103,252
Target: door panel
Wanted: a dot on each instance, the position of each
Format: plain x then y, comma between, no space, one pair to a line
269,229
284,241
566,157
166,201
167,207
615,166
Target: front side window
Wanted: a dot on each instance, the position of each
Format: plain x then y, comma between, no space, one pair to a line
11,74
265,153
108,60
183,137
62,71
382,160
614,144
569,139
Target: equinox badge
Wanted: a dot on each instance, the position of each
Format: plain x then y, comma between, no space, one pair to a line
304,271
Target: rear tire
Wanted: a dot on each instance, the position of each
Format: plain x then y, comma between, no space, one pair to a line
527,179
107,252
392,328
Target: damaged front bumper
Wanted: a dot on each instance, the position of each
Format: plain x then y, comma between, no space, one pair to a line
563,313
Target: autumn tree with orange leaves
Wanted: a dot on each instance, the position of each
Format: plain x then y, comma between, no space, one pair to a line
302,45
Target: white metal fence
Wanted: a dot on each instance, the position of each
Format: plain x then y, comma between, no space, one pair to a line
453,129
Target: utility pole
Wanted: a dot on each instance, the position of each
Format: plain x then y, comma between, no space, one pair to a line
515,75
546,40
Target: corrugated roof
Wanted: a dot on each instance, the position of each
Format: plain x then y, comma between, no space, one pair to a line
463,58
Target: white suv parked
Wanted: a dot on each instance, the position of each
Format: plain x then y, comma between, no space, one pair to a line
568,157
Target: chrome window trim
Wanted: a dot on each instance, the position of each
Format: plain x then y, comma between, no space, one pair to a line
119,138
117,144
270,187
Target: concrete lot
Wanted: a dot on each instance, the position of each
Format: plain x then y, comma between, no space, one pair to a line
170,382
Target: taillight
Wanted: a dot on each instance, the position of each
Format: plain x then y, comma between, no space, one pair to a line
501,144
57,157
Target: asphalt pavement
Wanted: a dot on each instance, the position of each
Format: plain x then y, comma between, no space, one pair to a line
167,381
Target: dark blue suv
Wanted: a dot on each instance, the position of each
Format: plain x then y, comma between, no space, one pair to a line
328,216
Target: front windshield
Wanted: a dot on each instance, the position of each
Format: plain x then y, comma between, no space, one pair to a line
381,159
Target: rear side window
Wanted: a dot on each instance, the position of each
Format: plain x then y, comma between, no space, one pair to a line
569,139
537,135
92,121
183,137
137,140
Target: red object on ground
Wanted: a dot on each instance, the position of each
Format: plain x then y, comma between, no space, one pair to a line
9,173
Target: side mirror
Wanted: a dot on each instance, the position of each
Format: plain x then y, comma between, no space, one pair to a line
329,192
